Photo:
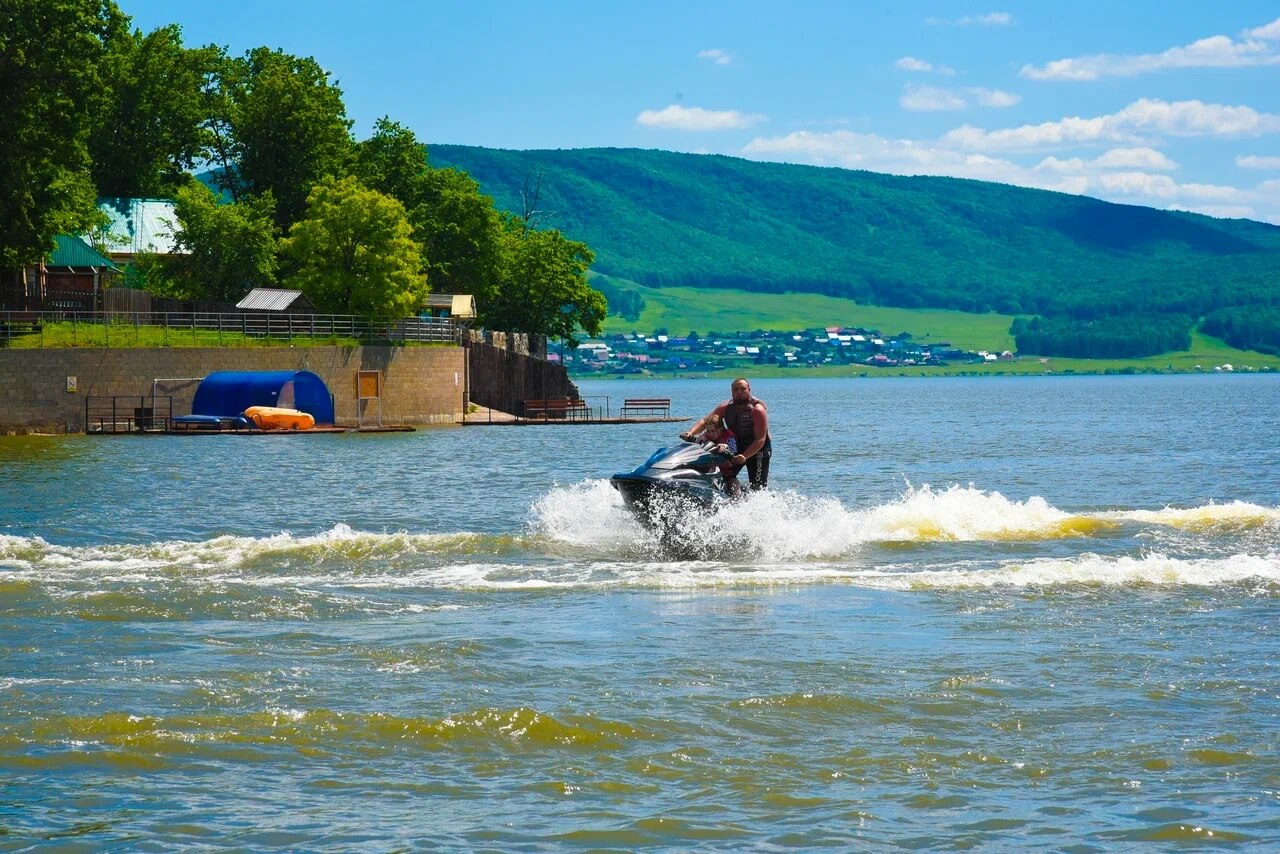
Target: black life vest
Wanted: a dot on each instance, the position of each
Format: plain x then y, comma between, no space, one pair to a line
738,418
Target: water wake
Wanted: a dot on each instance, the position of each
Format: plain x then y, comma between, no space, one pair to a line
581,536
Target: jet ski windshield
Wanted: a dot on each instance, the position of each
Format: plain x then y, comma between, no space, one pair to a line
686,455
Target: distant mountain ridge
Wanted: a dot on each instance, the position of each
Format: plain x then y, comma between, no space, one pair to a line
662,218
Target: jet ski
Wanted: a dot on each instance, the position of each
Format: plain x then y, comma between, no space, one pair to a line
675,479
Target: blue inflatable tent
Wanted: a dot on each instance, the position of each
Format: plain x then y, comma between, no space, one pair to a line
226,394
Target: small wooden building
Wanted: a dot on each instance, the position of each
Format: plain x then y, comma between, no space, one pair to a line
461,306
72,278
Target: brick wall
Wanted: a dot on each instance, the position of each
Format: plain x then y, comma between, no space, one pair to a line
421,385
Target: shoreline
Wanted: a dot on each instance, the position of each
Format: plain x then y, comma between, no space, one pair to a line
899,373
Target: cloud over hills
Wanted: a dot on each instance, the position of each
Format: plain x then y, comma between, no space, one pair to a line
1256,47
677,117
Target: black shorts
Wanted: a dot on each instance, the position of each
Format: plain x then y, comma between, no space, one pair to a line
757,466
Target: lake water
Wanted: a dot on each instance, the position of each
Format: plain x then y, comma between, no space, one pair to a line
999,612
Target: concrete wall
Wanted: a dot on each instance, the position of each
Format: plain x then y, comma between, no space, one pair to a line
421,385
500,379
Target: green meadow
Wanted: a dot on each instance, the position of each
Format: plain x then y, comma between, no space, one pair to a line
680,310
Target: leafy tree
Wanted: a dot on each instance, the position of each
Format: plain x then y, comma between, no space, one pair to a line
1106,338
354,252
461,235
229,249
456,224
543,285
279,125
393,162
150,128
51,53
1251,328
622,301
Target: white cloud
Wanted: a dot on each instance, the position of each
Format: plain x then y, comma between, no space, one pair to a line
928,98
1146,116
1116,158
871,151
677,117
1196,118
1222,211
1104,177
1212,52
1269,31
993,97
716,55
1134,158
1253,161
990,19
910,63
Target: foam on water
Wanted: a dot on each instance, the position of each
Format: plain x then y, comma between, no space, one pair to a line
1261,573
779,525
33,557
1236,515
581,536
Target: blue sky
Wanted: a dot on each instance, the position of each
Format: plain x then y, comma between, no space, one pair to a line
1170,104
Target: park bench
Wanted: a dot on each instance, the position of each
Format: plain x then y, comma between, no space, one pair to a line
650,405
561,407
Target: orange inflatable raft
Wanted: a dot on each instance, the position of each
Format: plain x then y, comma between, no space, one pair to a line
278,418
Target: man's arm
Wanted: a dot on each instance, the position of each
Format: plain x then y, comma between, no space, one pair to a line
760,422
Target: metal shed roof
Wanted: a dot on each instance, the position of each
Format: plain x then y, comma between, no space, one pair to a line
139,225
269,299
73,252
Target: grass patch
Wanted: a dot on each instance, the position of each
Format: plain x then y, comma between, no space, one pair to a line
66,334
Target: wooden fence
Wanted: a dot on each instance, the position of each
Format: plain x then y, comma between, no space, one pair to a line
445,330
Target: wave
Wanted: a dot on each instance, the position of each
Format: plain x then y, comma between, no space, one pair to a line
1260,574
25,557
1233,516
117,738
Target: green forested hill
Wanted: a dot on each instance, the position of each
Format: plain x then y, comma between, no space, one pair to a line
661,218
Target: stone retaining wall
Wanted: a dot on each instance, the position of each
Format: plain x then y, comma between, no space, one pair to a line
421,385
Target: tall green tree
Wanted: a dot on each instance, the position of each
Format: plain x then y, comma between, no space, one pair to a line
280,126
354,252
456,224
225,250
543,285
51,53
152,127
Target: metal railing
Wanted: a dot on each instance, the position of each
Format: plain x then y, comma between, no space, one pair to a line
127,413
128,329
